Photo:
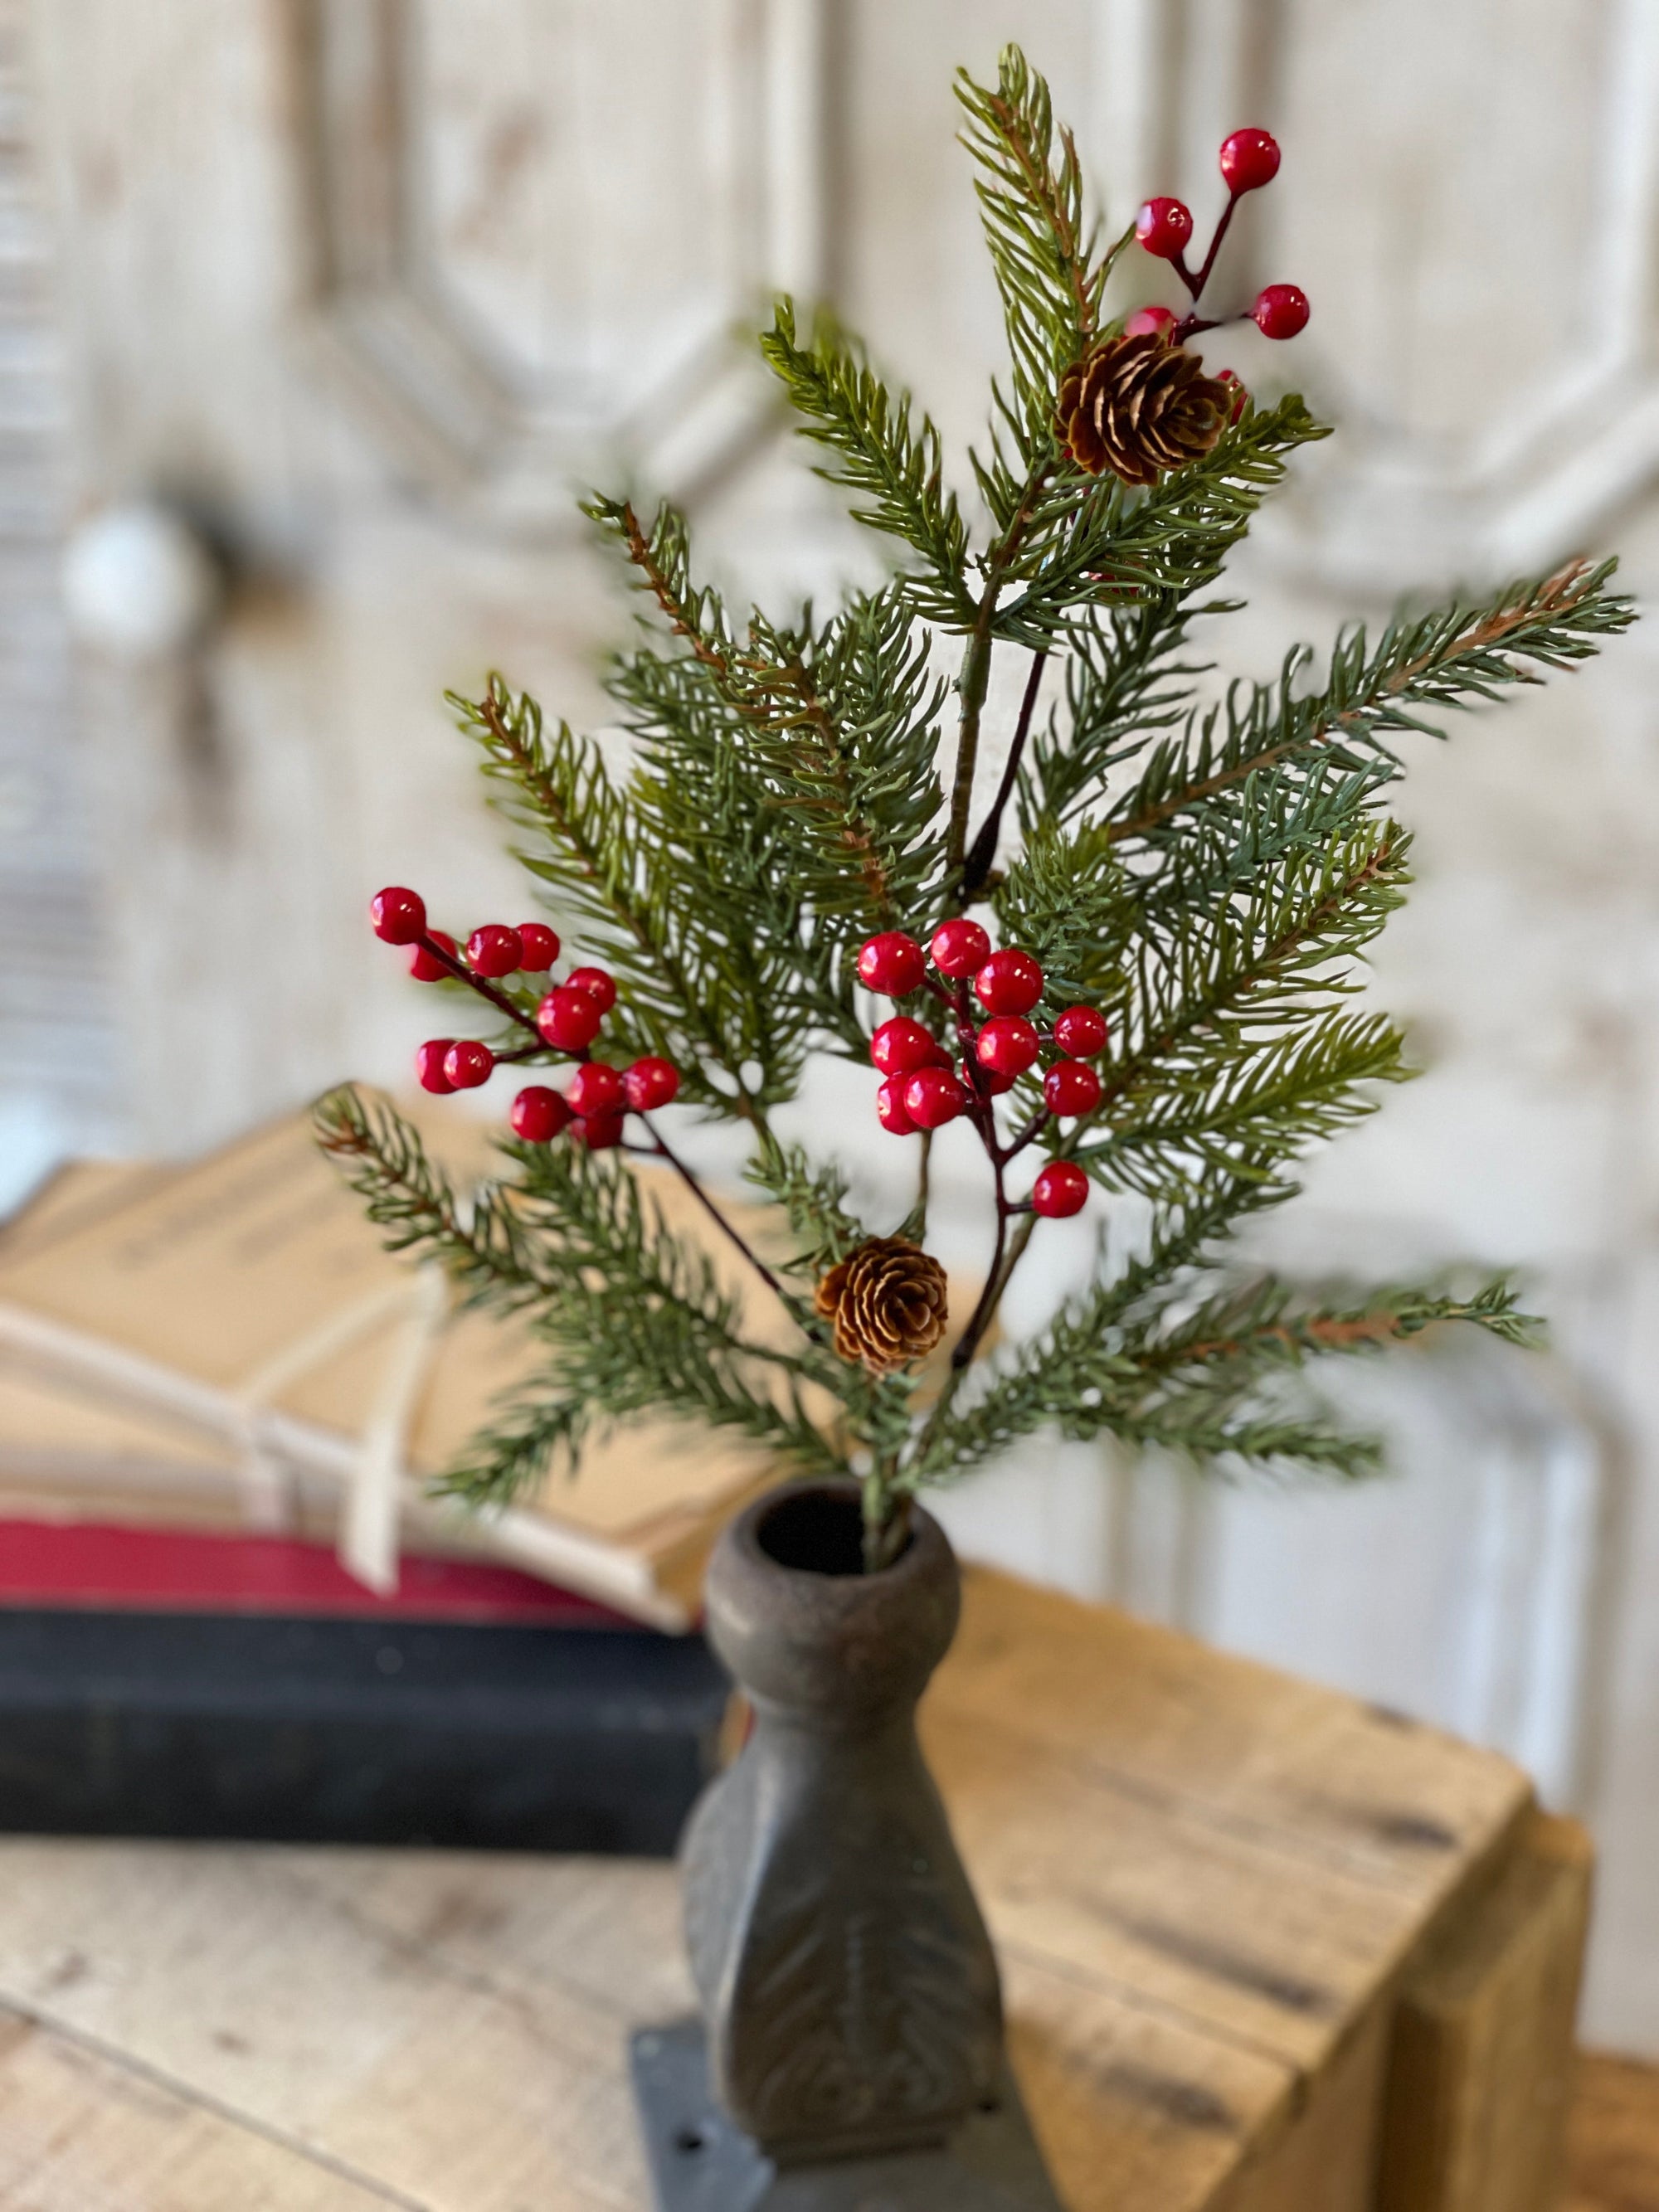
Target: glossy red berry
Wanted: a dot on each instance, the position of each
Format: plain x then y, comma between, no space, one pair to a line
1008,1044
901,1046
1070,1088
1081,1032
596,1089
1164,227
650,1083
397,916
602,1133
1280,311
599,985
1149,322
1249,159
468,1063
958,947
1061,1189
421,965
538,1115
933,1097
1010,982
494,950
570,1020
429,1065
539,946
890,1108
891,963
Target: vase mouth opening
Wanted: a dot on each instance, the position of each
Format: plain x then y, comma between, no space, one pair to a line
817,1531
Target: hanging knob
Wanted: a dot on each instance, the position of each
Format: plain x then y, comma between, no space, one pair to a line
140,582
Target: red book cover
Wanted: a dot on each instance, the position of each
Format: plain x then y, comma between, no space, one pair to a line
93,1567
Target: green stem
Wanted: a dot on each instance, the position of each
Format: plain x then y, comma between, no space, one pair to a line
981,854
974,681
886,1519
972,685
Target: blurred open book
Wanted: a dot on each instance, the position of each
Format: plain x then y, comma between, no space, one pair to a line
225,1343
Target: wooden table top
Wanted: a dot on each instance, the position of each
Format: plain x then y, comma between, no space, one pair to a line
1201,1876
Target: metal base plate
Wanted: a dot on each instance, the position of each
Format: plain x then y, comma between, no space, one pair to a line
700,2162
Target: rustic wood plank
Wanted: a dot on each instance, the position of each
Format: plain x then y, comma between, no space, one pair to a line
1317,1775
1319,2156
212,1967
1483,2062
1136,2111
1613,2136
1200,1938
1188,1911
82,2131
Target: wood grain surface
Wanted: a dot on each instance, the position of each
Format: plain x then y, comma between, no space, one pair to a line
1612,2139
1210,1886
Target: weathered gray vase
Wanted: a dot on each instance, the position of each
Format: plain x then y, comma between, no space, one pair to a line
848,1984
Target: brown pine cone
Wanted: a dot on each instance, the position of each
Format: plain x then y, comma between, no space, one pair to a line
1138,406
887,1301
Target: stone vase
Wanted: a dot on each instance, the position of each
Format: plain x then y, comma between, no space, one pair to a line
848,1983
851,2010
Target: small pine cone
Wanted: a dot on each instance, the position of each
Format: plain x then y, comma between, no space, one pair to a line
887,1301
1139,405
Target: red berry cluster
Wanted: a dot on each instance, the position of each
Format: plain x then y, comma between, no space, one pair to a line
926,1087
567,1020
1249,158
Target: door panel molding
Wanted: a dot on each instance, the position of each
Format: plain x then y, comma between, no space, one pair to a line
440,393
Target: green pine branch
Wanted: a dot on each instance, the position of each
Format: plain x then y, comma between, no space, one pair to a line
1419,670
1232,1039
1126,681
834,729
600,850
1096,541
1066,898
611,1359
814,1202
1044,252
633,1315
480,1246
1112,1363
895,470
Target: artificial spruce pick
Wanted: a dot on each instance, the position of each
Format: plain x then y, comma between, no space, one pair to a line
1151,995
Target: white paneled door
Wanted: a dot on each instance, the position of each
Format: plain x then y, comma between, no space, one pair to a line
356,291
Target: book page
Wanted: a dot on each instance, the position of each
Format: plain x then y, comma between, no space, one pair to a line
214,1270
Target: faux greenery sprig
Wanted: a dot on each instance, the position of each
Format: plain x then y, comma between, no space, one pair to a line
1192,884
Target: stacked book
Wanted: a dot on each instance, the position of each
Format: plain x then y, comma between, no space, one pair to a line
229,1603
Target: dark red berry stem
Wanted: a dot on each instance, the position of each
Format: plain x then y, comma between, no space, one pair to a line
1029,1134
1190,325
979,1319
666,1151
463,974
1195,284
